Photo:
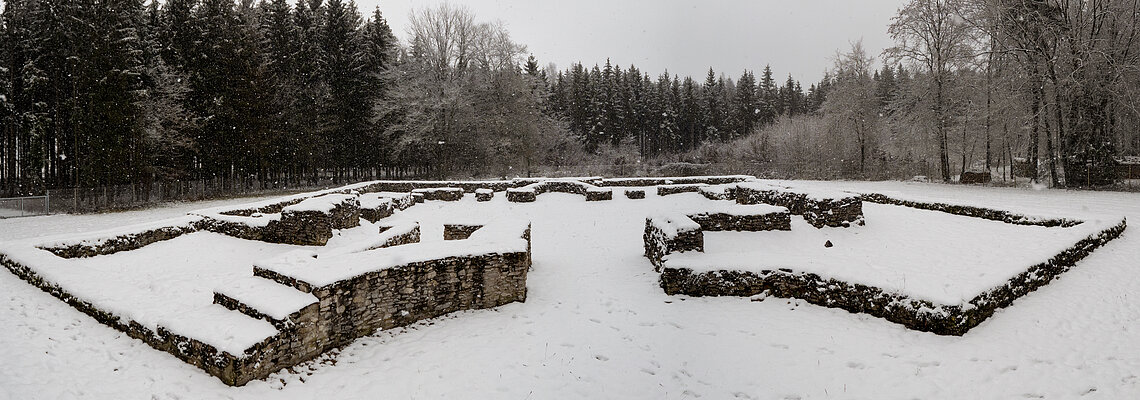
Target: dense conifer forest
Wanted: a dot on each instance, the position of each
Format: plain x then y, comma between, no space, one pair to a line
106,92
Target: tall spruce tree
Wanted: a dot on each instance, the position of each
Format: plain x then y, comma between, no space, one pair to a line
747,109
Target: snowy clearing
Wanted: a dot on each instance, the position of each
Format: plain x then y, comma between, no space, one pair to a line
596,324
930,255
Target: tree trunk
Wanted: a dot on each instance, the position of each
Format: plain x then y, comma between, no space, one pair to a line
939,110
1034,131
1049,147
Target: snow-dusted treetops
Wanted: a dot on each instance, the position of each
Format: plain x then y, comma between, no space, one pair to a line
102,93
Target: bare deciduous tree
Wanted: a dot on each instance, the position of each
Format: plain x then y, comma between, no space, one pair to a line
932,34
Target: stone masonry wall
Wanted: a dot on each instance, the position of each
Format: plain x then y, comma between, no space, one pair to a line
411,236
710,180
215,362
914,314
299,227
459,231
839,212
665,190
599,195
442,194
970,211
385,299
521,196
375,214
659,243
781,221
124,242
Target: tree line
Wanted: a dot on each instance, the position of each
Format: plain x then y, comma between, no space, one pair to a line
99,92
668,115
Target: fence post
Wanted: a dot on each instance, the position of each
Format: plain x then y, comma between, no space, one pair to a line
47,202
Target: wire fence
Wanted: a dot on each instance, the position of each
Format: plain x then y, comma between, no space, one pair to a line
104,198
12,207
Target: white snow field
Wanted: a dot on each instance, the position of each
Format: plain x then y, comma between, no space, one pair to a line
597,325
928,255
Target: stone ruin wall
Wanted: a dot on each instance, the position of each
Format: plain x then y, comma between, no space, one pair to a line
665,190
777,221
385,299
856,298
346,310
459,231
658,243
441,194
841,212
125,242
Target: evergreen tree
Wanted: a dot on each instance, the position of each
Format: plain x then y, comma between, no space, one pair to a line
377,50
885,85
167,125
711,92
746,108
791,96
690,119
7,120
531,66
310,91
347,112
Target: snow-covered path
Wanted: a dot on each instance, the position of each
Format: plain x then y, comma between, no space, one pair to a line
596,325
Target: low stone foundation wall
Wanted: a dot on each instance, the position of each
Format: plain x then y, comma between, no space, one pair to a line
970,211
384,299
119,243
915,314
714,221
311,227
441,194
918,315
469,187
635,194
387,299
484,194
204,356
409,237
572,187
269,209
665,190
521,195
719,192
597,194
819,212
709,180
459,231
375,214
667,234
307,227
530,192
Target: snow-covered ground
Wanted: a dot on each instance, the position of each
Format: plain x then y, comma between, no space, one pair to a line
929,255
596,325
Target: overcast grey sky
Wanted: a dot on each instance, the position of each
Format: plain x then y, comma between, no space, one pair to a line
687,37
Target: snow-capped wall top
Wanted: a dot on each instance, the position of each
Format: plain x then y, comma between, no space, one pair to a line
325,203
672,224
440,189
737,209
499,236
809,193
